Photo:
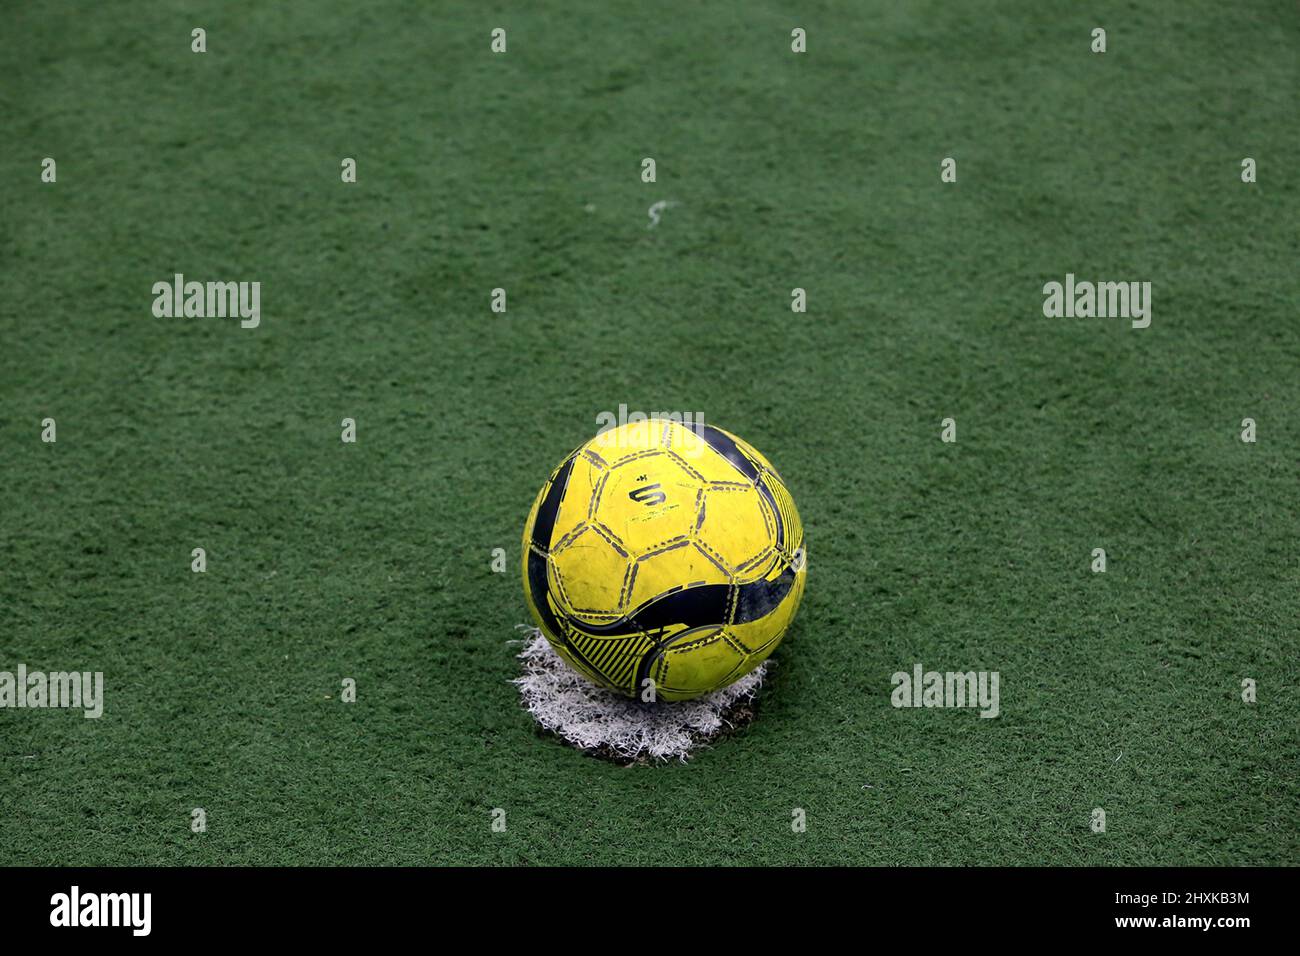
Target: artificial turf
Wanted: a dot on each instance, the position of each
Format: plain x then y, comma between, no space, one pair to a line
819,171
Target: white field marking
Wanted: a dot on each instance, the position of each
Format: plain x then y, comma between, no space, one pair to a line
590,718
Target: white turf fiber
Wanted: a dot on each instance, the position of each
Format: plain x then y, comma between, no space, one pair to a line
593,719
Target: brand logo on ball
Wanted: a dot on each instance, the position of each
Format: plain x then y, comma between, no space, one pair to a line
648,495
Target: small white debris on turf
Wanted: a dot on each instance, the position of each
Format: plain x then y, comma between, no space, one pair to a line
619,728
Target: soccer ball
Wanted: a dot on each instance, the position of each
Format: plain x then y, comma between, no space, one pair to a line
664,560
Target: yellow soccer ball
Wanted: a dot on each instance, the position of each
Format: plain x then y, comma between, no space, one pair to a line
663,559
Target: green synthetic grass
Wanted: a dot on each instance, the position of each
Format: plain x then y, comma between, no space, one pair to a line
371,561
